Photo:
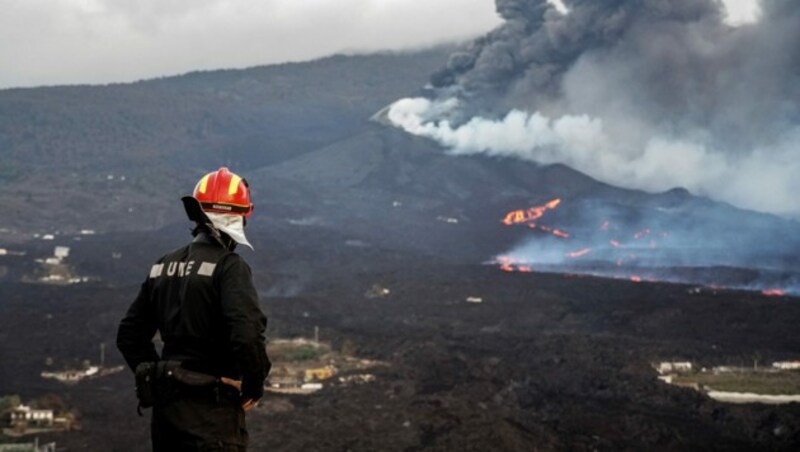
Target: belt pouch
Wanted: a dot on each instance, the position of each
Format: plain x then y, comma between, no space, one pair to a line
145,384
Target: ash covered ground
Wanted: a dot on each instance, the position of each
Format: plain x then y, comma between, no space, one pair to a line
545,362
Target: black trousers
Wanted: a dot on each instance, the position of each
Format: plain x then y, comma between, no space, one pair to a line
199,420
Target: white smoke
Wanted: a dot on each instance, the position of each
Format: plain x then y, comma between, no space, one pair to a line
618,153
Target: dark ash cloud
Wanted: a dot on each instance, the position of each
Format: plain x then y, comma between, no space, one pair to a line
648,94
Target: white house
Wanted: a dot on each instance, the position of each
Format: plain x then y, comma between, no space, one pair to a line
786,365
61,252
30,417
670,367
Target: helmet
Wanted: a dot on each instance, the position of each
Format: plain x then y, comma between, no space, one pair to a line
224,192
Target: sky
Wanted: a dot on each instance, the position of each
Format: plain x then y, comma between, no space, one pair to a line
56,42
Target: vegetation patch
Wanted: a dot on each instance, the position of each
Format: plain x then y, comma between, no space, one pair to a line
297,351
767,383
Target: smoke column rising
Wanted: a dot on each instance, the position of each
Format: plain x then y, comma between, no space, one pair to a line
646,94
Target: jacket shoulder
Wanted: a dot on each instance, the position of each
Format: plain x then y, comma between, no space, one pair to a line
174,252
232,260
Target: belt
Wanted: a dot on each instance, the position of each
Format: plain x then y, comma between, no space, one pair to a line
172,370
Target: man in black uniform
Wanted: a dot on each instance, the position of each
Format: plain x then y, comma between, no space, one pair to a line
202,301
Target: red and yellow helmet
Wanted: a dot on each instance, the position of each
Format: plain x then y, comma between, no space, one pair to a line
224,192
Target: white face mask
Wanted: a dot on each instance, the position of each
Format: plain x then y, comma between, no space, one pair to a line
233,225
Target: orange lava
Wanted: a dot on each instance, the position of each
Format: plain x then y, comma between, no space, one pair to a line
529,215
508,264
579,253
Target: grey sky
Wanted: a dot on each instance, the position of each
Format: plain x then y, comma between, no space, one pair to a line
98,41
49,42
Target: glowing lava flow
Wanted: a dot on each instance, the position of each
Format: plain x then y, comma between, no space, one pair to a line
615,243
554,231
529,215
579,253
508,264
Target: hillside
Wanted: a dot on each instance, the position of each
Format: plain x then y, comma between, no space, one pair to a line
98,156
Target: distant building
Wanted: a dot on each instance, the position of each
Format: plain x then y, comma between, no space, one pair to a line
377,291
672,367
61,252
786,365
322,373
449,220
71,376
25,416
28,447
284,382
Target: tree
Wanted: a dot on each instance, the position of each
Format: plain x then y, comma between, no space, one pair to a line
9,402
51,402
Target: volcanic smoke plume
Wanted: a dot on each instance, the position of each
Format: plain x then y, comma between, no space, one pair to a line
647,94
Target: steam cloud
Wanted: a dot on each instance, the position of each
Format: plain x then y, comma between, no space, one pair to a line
646,94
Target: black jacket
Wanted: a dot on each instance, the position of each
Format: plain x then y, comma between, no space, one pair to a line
202,300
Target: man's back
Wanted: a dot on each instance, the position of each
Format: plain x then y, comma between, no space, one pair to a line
202,300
